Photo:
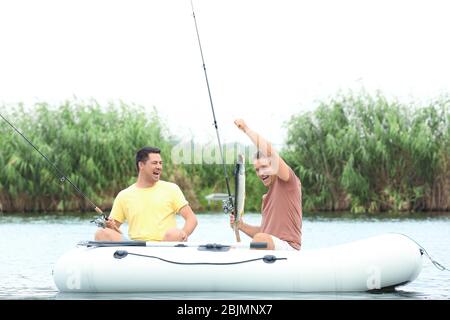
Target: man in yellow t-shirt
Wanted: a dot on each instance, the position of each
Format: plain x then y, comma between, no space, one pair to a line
149,206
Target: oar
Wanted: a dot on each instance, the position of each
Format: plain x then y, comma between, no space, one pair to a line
167,244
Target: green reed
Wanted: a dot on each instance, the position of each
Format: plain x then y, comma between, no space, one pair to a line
364,153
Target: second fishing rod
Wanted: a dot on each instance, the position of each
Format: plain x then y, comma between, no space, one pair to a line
62,176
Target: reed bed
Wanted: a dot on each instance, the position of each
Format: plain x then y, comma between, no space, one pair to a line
355,152
364,153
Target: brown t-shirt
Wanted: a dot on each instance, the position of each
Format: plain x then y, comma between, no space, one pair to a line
282,210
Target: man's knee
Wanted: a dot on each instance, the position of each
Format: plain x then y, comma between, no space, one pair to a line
173,234
106,234
264,237
100,234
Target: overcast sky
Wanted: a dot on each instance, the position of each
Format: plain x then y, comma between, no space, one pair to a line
266,59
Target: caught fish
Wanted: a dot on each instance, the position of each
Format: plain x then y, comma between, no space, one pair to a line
239,193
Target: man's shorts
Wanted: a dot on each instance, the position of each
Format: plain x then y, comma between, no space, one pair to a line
281,244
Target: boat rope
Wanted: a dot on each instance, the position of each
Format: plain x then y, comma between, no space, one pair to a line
120,254
424,251
228,206
62,176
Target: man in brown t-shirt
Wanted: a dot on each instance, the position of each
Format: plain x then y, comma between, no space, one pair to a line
281,224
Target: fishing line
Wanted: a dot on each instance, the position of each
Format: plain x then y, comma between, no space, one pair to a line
62,176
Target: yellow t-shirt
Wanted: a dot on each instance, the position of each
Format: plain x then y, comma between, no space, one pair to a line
150,212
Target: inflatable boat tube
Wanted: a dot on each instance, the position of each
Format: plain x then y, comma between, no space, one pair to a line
379,262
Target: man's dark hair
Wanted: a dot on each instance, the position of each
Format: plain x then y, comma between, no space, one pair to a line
142,155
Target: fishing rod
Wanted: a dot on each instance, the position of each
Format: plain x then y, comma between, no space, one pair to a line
62,176
229,206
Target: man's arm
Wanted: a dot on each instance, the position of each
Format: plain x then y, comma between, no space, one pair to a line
248,229
190,220
113,224
280,168
245,228
117,212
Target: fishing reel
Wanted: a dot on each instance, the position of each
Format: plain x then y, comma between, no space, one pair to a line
227,206
100,221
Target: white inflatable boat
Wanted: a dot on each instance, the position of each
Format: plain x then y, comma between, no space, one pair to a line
379,262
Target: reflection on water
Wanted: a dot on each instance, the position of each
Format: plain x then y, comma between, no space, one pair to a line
31,245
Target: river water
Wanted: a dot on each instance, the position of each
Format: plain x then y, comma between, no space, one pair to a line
30,245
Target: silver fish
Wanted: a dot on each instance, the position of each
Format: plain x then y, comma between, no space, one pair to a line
239,193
